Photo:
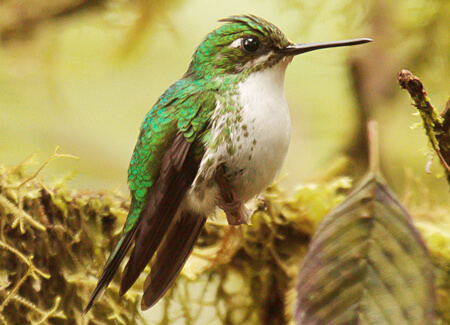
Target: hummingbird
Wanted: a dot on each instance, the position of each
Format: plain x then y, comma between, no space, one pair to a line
215,139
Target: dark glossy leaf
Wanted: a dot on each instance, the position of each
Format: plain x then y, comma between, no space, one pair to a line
366,264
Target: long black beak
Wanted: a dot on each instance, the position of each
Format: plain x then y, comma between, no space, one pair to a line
307,47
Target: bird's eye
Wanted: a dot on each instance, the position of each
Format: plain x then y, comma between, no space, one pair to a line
251,44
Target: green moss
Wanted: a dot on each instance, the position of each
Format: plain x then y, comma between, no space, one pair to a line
236,275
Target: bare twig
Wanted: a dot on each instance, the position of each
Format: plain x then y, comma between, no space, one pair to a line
374,154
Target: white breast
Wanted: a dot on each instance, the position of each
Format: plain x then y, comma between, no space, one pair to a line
259,140
263,139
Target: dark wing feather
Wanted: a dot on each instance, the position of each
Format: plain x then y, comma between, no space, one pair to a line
171,256
111,266
178,171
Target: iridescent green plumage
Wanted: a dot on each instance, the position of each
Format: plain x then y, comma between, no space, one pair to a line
215,58
189,158
185,107
188,104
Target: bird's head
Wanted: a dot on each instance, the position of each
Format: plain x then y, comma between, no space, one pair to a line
245,44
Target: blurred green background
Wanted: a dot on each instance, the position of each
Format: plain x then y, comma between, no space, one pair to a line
82,75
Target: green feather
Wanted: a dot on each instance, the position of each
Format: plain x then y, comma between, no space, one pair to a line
185,107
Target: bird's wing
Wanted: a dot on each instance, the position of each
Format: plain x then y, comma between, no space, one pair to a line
178,170
162,168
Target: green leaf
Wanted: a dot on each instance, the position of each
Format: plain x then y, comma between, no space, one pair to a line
366,264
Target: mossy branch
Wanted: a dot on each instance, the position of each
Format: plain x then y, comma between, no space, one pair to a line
437,126
242,275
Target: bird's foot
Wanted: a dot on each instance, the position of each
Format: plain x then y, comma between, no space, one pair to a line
236,211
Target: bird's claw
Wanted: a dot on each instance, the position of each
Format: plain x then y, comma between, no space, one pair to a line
237,213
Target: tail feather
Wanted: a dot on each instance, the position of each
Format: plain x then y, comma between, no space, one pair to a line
171,256
148,239
111,266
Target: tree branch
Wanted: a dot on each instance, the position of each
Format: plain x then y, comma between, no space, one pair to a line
436,125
